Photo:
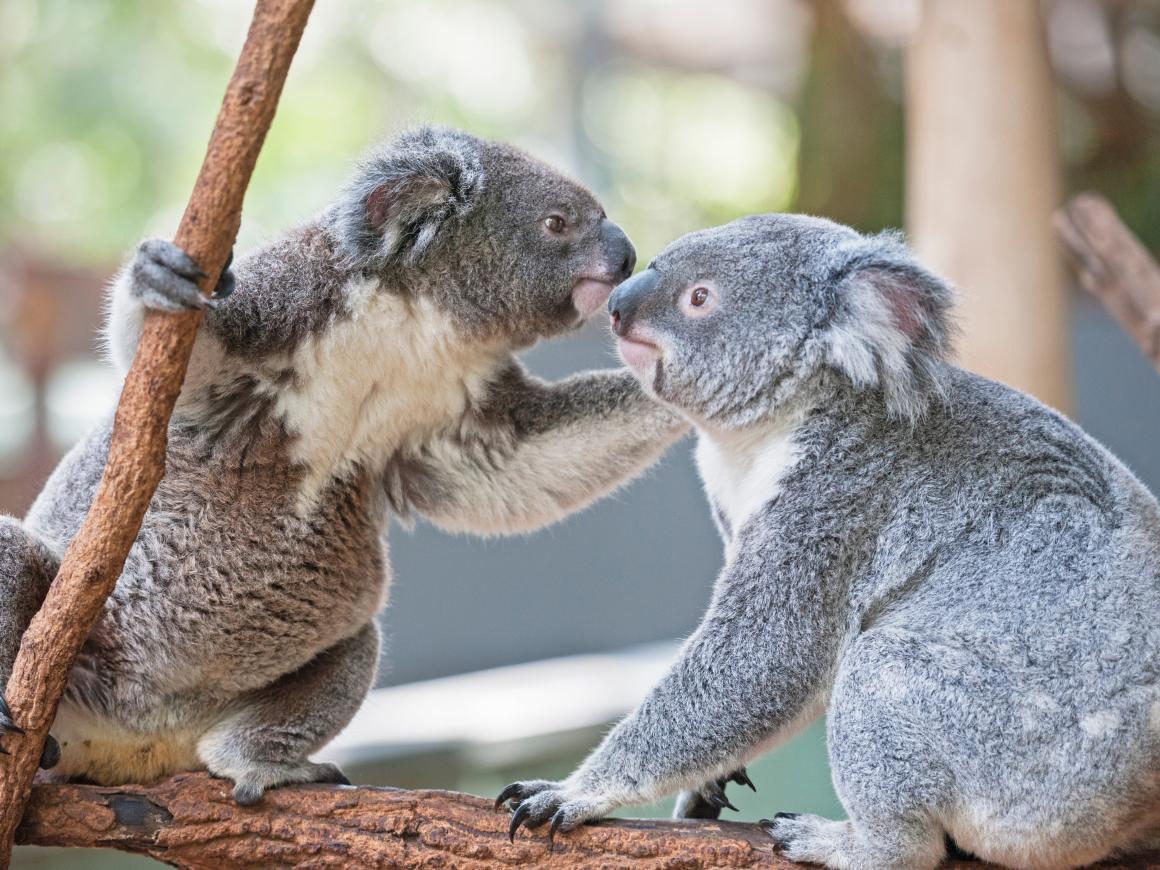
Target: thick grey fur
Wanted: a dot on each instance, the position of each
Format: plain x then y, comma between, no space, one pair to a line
966,582
241,635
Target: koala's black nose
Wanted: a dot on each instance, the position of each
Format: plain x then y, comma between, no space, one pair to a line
626,299
618,251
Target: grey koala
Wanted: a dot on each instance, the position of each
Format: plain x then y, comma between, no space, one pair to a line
965,582
364,366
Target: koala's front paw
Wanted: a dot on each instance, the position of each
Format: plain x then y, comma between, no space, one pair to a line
536,801
707,801
164,277
49,755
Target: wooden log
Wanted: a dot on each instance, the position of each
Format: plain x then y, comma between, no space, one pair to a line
1114,266
191,821
136,460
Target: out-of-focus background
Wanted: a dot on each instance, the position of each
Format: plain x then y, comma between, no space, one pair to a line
966,123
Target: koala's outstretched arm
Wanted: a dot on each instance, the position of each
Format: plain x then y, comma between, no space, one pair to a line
534,453
756,670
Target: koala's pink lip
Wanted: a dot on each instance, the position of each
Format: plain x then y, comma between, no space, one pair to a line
589,295
637,354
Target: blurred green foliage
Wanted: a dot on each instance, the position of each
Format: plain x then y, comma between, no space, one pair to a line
107,105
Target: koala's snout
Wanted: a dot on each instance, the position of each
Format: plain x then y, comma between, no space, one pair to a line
618,251
625,301
617,259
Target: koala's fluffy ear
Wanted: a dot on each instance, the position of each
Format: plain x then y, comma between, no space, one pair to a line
891,328
405,193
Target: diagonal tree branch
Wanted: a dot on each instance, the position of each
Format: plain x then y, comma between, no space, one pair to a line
136,459
1114,266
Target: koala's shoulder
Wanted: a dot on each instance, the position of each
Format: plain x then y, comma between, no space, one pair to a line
58,511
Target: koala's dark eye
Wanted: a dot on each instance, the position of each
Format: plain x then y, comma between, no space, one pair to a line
555,224
700,300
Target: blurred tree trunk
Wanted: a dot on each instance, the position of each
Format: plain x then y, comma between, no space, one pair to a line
982,182
851,129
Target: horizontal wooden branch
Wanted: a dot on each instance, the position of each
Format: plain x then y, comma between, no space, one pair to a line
1114,266
191,821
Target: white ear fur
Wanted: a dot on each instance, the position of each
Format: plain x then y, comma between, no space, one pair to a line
891,329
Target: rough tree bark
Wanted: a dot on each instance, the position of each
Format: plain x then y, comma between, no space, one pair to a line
1114,266
191,821
136,460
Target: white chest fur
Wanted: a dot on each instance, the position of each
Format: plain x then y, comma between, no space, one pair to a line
394,371
742,470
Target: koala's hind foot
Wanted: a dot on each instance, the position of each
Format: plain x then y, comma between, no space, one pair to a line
164,277
707,801
842,846
258,778
265,740
891,798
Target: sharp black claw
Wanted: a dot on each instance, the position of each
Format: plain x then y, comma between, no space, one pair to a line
715,794
225,286
341,780
741,777
247,795
226,283
557,820
6,722
507,794
721,802
518,817
50,755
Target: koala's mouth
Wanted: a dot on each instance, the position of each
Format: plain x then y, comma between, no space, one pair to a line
590,295
638,355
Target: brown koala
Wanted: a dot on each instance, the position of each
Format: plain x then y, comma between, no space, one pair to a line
363,366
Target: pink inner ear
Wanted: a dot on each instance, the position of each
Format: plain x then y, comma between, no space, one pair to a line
903,300
406,196
377,207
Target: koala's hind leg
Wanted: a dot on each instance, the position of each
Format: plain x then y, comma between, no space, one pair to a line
27,567
887,774
265,740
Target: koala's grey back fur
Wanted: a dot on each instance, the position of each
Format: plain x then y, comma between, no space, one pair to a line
963,578
364,365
